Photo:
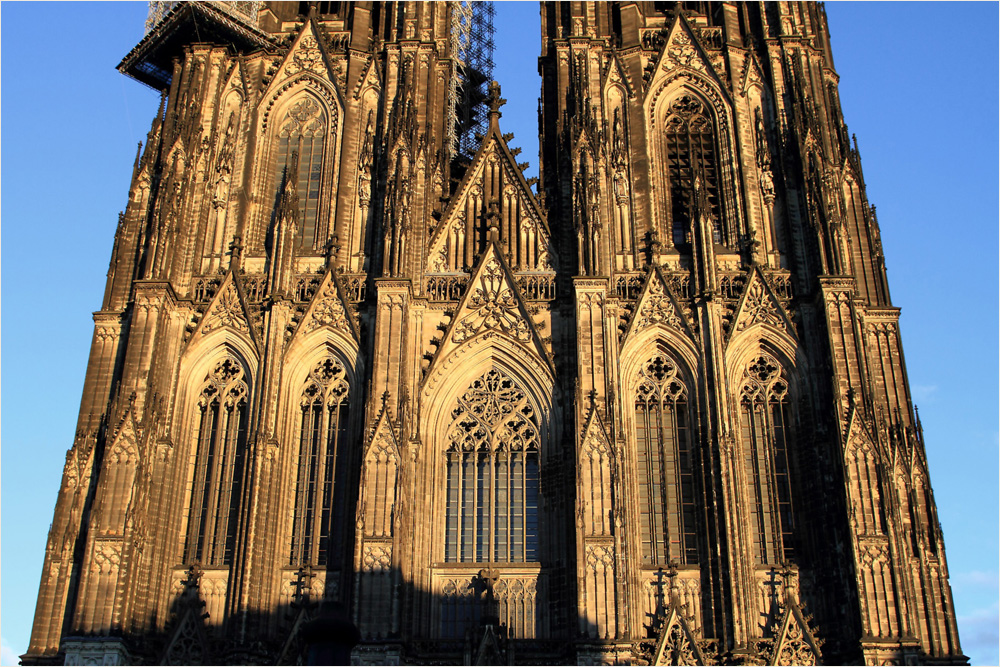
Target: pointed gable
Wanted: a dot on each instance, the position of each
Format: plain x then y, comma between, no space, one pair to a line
492,306
306,62
759,306
124,442
329,308
493,195
683,51
657,305
752,73
306,54
676,644
370,78
795,644
616,74
228,310
594,478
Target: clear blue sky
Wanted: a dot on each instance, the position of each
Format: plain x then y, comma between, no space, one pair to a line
918,86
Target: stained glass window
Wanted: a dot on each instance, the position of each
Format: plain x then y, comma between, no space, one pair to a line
667,511
318,486
691,159
765,435
301,141
492,474
221,423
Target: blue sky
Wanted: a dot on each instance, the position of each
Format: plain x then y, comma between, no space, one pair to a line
918,87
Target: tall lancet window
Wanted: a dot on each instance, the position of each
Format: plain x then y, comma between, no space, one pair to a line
765,432
665,451
492,474
303,136
319,486
691,161
220,451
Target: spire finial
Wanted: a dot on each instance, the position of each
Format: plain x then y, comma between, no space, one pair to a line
494,100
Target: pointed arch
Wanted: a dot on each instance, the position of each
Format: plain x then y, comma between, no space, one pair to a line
660,403
488,428
218,400
321,399
690,130
762,381
300,122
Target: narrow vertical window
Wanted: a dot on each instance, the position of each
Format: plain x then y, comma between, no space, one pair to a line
765,436
691,165
316,532
221,424
491,467
301,141
667,519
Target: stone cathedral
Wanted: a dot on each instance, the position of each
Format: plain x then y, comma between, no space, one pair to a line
651,409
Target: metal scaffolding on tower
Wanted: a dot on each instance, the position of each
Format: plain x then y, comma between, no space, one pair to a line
472,46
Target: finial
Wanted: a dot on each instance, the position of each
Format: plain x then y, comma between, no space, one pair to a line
332,249
494,100
236,250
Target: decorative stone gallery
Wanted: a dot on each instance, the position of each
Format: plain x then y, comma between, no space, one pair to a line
353,388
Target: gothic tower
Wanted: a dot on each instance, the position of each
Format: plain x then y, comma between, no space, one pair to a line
346,368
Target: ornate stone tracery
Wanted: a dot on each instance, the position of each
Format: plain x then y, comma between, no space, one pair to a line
320,476
492,447
219,456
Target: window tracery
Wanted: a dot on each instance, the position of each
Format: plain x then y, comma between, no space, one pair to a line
301,142
220,451
666,465
492,474
692,170
319,479
765,423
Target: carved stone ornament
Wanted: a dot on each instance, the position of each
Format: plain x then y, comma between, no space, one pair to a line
494,307
759,308
376,558
657,308
307,57
329,311
227,311
681,52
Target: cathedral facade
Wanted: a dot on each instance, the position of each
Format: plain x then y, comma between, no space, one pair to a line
651,411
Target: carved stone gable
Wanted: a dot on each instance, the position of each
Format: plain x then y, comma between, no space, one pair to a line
227,310
676,643
492,307
493,202
759,306
655,306
330,309
795,644
683,51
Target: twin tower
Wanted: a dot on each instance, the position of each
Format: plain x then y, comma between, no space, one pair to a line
653,411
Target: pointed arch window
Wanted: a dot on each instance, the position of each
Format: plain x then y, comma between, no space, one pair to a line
491,466
220,452
765,423
301,142
664,446
692,170
319,480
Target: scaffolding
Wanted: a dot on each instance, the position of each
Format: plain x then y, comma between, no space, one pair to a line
245,10
472,48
